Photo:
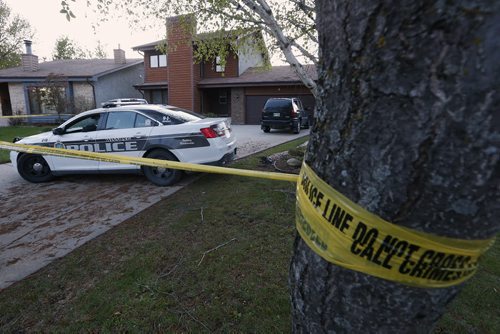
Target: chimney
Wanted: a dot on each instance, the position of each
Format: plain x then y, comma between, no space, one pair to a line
29,61
182,88
119,55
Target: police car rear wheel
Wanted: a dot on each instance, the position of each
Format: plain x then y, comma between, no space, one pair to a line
161,176
34,168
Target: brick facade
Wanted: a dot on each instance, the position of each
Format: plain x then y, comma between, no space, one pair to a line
238,106
231,69
180,61
199,87
154,74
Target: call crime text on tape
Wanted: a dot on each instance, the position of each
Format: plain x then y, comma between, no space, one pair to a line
342,232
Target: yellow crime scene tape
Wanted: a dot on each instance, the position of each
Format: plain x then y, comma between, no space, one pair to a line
121,159
337,229
36,115
344,233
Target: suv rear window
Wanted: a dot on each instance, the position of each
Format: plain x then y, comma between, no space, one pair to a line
277,103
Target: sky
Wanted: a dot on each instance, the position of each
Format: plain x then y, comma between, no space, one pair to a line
49,24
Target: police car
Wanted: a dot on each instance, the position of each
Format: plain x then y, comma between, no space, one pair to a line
152,131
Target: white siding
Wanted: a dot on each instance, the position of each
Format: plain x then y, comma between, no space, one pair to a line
249,56
17,98
83,95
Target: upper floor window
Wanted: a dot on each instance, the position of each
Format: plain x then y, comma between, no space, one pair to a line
219,67
158,61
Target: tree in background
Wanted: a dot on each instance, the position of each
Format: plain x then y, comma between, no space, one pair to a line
100,51
406,126
66,48
13,30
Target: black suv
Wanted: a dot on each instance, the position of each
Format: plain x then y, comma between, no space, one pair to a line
283,113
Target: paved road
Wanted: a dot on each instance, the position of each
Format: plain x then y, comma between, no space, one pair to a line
42,222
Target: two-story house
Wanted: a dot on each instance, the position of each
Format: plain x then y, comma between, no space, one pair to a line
238,87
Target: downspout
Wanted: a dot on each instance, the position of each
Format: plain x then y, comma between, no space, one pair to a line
142,55
140,91
93,91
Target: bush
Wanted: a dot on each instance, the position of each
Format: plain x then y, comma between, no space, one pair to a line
297,152
18,120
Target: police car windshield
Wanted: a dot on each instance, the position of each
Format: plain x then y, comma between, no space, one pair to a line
172,115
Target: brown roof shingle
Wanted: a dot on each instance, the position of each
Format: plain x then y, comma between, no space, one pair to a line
257,76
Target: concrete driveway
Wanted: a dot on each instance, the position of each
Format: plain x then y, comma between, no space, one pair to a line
42,222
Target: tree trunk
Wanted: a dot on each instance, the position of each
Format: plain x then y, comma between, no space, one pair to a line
407,127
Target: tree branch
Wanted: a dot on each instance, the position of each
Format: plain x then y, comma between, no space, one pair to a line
261,8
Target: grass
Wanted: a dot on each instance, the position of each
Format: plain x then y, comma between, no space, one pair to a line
212,258
8,133
477,308
146,274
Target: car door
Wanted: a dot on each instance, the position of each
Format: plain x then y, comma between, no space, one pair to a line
78,135
125,132
303,114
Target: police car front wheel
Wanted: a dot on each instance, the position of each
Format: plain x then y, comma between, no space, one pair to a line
161,176
34,168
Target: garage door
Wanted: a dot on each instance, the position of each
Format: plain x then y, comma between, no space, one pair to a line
255,103
253,107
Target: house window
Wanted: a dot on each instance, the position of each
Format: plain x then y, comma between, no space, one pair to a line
158,61
50,99
219,67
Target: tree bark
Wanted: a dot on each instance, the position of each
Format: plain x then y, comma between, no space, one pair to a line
407,127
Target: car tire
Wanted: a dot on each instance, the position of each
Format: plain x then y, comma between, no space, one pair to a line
296,127
34,168
161,176
266,129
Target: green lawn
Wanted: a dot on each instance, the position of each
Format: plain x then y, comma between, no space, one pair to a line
8,133
213,257
477,308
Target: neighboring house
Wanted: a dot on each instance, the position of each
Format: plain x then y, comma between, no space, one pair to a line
74,85
239,89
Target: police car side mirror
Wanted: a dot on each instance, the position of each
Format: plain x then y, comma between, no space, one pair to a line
58,131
